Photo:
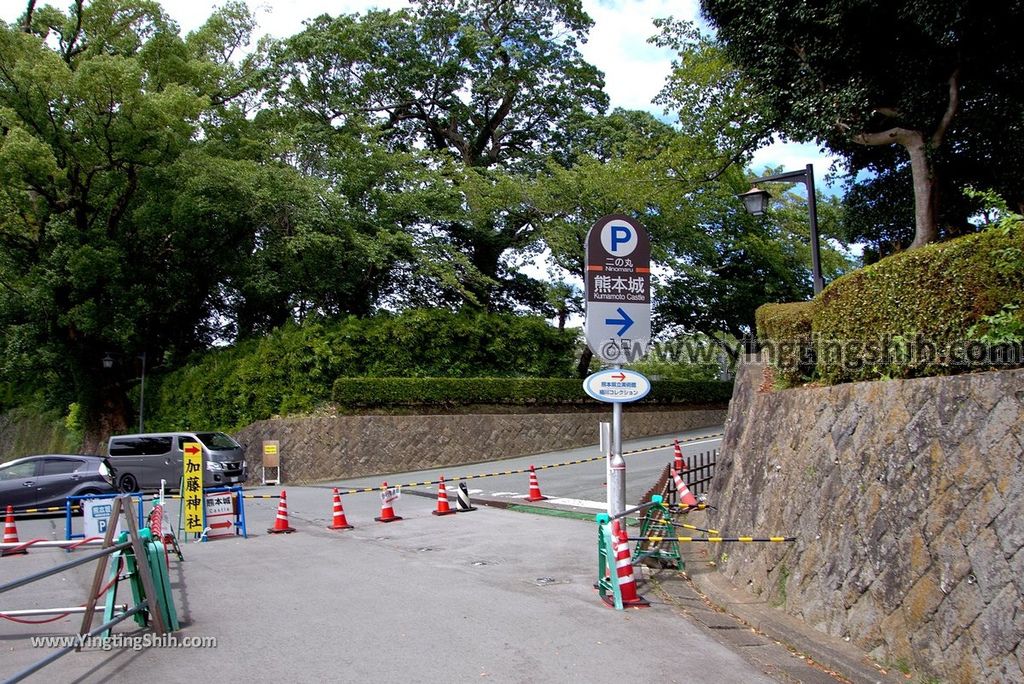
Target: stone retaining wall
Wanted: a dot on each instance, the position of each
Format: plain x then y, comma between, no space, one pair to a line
908,501
323,448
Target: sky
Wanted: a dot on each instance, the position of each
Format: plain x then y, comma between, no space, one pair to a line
634,70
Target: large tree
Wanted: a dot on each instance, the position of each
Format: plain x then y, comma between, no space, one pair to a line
126,204
935,79
479,91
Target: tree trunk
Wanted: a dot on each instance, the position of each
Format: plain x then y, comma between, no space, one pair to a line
583,367
926,220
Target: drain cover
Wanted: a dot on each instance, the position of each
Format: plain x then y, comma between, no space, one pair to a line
479,563
543,581
423,549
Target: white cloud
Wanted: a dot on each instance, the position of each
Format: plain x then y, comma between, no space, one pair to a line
634,69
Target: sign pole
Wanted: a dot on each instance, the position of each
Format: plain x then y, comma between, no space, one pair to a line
616,465
617,276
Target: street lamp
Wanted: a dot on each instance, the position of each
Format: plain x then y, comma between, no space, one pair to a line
755,201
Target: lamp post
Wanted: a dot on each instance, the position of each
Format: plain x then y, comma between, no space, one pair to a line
755,201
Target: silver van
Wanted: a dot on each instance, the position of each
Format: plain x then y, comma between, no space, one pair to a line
142,460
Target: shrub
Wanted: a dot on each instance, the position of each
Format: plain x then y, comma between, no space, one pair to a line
293,369
921,312
784,332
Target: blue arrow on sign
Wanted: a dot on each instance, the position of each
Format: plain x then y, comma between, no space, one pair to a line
626,322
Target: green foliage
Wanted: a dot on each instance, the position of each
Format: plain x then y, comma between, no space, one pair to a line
784,330
863,78
448,392
28,430
911,314
293,370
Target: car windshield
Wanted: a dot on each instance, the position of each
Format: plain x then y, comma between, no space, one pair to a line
217,440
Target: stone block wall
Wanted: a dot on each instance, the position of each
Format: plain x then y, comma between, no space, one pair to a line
335,447
908,501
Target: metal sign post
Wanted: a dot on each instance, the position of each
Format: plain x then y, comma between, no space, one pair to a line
618,326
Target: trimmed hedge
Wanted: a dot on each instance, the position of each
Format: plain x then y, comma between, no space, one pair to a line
441,392
293,369
915,313
784,332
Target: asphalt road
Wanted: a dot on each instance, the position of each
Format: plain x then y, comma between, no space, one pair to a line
492,594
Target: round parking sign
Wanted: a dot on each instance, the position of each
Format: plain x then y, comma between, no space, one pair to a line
618,238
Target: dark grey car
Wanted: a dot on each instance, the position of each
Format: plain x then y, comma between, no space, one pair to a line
46,480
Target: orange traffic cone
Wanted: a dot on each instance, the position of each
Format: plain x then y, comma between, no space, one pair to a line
535,494
680,464
686,497
442,500
340,521
624,570
281,521
387,513
11,533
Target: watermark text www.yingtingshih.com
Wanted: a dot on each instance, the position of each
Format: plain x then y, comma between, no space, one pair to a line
133,642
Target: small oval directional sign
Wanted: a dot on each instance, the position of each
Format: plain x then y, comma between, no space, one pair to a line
617,386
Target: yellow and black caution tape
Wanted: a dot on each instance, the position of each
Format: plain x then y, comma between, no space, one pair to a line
520,471
655,540
695,528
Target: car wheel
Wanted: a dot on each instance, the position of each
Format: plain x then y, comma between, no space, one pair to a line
85,492
128,483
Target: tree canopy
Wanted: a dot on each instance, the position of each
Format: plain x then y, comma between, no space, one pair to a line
934,81
163,195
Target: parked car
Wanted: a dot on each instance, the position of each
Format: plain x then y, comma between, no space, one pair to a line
48,479
142,460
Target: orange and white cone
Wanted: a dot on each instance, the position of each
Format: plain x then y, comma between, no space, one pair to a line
679,464
535,494
686,497
340,521
624,571
387,512
281,521
443,508
11,533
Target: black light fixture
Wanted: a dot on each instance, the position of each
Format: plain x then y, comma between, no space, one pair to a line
108,361
755,201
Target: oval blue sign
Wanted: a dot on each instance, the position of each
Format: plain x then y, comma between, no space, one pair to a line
617,386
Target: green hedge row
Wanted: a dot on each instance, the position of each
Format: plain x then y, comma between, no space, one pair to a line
293,369
784,331
380,392
945,308
918,313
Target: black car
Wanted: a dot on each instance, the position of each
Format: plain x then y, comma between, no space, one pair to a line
46,480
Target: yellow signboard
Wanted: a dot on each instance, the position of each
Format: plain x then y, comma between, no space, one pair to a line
192,487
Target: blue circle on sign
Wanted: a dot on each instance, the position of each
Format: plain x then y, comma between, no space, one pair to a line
618,238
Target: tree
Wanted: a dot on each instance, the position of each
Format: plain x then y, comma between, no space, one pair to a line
120,223
478,91
934,79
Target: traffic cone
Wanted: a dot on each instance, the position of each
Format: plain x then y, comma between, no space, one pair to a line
281,521
624,571
387,513
680,464
11,533
442,500
686,497
464,502
535,494
340,521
